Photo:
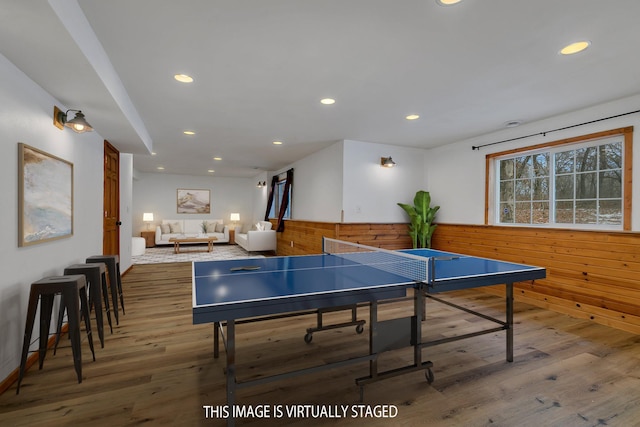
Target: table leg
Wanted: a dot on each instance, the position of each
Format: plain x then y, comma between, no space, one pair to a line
373,336
231,369
418,310
509,321
216,340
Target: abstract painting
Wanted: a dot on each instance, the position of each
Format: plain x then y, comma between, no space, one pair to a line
194,201
45,196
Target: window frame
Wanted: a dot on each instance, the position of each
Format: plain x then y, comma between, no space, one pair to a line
492,177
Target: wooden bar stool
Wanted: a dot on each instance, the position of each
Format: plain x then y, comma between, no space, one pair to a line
95,274
74,297
115,281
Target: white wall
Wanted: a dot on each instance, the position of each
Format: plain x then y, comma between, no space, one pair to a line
371,192
27,116
317,185
345,183
126,208
456,173
260,196
157,193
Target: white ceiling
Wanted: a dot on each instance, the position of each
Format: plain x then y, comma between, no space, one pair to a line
262,66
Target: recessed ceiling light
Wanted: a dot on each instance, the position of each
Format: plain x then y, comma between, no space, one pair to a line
211,171
277,142
153,153
412,117
189,132
328,101
183,78
575,47
217,158
512,124
160,168
447,2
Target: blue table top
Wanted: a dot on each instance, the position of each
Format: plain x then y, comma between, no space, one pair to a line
280,284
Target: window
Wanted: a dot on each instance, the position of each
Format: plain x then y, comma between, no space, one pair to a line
279,201
278,192
583,182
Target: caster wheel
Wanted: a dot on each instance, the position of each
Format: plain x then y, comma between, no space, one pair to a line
359,329
429,375
308,337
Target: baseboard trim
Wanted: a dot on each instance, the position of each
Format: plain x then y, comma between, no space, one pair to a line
31,360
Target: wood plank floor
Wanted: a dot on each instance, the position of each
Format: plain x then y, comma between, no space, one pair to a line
157,368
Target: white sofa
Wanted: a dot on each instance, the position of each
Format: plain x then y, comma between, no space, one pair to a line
191,228
258,240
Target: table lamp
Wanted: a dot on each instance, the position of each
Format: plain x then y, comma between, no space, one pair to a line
148,218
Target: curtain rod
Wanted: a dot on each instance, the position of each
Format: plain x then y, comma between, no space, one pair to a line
478,147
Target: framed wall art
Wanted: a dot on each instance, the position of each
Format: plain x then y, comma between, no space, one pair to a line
45,196
194,201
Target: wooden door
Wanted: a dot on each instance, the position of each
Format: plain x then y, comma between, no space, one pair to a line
111,224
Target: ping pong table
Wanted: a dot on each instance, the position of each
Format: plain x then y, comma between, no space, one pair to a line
347,275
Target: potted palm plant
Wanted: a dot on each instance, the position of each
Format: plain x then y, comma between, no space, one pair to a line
421,215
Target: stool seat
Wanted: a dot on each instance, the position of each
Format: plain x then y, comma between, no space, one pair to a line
74,298
115,281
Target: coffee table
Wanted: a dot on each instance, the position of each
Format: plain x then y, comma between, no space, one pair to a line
177,240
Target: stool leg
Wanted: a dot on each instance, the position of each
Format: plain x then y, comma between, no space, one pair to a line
113,284
73,314
119,279
105,297
84,306
59,323
95,301
28,330
46,309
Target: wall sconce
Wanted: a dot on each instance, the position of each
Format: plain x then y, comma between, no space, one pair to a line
78,124
261,184
234,218
387,162
148,218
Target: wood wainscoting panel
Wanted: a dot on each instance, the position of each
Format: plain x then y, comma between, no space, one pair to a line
305,237
590,274
386,236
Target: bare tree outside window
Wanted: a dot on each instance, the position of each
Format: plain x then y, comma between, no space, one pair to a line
582,185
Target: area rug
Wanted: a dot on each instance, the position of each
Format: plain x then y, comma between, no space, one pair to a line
188,253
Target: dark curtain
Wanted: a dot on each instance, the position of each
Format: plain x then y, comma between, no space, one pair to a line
272,192
284,204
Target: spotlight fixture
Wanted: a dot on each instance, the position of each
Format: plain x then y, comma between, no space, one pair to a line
78,124
387,162
576,47
261,184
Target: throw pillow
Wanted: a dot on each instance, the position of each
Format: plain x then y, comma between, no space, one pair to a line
165,228
258,226
176,228
219,227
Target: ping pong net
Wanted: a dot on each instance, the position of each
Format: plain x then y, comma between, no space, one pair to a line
411,267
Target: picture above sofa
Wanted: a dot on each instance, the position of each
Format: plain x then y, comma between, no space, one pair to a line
181,228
